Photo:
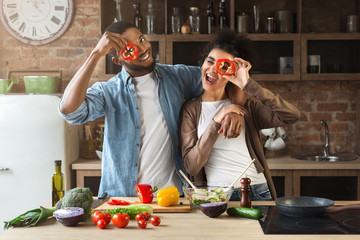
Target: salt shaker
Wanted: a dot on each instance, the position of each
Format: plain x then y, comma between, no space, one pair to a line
245,192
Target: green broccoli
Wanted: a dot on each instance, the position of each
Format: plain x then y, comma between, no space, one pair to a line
77,197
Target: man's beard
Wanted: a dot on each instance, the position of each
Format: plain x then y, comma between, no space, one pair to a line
137,68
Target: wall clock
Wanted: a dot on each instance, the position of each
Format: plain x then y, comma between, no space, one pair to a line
36,22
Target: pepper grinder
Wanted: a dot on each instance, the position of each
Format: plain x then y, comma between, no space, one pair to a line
245,192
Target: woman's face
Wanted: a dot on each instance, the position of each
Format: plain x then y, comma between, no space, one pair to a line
211,79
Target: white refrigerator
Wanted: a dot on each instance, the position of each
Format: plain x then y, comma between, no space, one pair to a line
32,136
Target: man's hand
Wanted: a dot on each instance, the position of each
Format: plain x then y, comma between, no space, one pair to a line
231,125
108,42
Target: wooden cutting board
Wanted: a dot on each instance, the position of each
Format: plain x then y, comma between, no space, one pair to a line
182,206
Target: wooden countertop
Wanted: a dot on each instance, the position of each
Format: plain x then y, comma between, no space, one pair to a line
275,163
194,225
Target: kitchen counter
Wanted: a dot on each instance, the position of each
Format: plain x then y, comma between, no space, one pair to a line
291,170
194,225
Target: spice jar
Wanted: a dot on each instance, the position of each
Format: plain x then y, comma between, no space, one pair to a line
194,20
270,25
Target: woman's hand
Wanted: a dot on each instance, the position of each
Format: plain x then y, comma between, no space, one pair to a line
241,76
231,125
228,109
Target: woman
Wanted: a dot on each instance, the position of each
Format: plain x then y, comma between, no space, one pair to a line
206,154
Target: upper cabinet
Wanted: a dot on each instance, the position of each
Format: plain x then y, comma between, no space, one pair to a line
295,39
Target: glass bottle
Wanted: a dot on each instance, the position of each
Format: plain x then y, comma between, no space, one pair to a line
150,19
137,17
194,20
222,15
175,21
58,188
210,18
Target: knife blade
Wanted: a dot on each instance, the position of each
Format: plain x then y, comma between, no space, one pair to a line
99,200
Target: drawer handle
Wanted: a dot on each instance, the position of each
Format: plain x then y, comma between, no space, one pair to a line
4,169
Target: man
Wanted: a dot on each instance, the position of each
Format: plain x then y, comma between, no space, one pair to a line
142,105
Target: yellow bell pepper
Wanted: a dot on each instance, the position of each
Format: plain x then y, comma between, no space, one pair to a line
168,196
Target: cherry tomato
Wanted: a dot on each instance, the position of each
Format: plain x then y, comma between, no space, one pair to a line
146,216
96,216
120,220
101,223
142,224
107,217
139,217
155,221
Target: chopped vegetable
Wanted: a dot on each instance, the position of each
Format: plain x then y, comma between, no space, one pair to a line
168,196
225,67
117,202
30,218
129,52
206,196
77,197
69,216
132,210
145,192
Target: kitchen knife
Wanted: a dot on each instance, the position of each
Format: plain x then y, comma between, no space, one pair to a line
99,200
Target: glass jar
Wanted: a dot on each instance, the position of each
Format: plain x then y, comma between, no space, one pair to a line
150,19
194,20
175,21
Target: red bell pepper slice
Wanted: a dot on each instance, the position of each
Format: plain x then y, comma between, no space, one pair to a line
225,67
145,192
118,202
130,52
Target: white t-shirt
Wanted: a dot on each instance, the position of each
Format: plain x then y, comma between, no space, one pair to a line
156,165
229,157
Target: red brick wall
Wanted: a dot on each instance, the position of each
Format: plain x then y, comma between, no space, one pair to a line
333,101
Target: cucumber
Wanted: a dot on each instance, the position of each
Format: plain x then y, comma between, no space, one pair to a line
245,212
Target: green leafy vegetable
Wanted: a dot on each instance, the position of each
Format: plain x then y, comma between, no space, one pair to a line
30,218
132,210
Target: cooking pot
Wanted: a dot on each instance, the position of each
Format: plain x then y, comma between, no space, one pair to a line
6,84
41,84
310,206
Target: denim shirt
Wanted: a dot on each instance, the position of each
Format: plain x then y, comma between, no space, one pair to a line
116,99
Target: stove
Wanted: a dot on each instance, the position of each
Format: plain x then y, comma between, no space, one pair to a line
273,222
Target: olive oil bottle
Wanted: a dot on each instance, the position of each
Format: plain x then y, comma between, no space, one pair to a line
58,188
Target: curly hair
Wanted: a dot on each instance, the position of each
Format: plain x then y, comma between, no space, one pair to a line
231,42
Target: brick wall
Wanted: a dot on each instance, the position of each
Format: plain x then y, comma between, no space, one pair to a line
333,101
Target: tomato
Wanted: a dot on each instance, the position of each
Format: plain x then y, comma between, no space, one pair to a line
139,217
101,223
142,224
155,221
146,216
120,220
107,217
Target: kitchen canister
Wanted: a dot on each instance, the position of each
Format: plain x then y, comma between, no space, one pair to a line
284,21
243,23
353,23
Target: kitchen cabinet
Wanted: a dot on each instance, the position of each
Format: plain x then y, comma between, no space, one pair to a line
320,29
292,177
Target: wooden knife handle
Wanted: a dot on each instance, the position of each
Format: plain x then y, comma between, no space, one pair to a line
334,210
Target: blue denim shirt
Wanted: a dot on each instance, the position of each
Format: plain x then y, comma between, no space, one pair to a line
116,99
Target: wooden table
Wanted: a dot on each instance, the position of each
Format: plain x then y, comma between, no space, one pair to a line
291,169
194,225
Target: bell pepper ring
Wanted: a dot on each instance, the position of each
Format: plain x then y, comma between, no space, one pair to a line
145,192
225,67
129,52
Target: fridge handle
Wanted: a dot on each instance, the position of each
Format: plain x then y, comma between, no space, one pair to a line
4,169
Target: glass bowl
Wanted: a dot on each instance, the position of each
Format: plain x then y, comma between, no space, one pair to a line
207,194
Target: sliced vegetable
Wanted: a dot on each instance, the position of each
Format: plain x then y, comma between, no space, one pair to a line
245,212
145,192
129,52
117,202
132,210
168,196
30,218
69,216
225,67
213,210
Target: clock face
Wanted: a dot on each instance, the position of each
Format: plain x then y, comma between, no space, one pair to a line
36,22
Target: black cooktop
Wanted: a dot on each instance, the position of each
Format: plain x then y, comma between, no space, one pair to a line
346,222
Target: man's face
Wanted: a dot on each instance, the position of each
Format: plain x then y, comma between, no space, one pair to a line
145,61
